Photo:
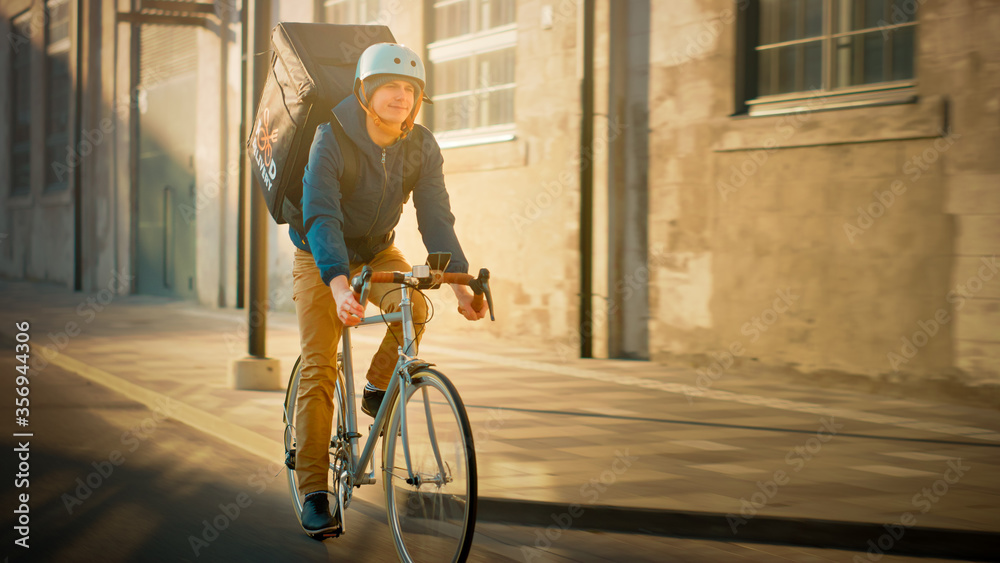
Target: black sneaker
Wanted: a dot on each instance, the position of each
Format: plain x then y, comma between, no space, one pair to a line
317,521
371,401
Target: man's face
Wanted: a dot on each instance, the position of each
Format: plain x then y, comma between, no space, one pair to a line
393,101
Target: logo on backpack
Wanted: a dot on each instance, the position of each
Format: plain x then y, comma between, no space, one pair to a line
264,137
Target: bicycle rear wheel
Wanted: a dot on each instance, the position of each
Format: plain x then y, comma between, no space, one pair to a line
430,472
337,451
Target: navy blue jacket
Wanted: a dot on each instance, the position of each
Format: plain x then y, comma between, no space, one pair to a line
376,205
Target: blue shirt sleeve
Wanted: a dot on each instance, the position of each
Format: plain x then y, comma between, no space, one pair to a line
322,215
430,198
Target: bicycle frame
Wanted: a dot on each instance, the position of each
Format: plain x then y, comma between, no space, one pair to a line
398,382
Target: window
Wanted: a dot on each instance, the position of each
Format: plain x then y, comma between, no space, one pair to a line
20,95
849,51
368,12
453,18
57,94
472,71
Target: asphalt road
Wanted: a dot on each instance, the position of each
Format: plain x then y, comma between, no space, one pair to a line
111,480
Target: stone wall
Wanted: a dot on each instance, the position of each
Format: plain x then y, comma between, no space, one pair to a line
766,254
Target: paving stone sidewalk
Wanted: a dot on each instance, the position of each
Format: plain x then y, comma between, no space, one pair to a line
589,432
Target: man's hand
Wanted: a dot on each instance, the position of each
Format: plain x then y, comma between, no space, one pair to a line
349,311
465,295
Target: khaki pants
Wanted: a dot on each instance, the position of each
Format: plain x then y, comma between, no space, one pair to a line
320,329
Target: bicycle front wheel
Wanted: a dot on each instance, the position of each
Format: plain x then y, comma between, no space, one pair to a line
430,472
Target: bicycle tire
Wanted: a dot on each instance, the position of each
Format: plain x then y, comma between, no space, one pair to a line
431,519
288,417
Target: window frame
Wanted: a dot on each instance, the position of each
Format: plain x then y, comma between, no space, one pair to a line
860,95
26,16
467,46
59,47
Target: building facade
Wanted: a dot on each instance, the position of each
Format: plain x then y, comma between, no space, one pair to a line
826,187
804,185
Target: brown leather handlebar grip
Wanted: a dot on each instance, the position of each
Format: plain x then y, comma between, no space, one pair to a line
382,277
453,277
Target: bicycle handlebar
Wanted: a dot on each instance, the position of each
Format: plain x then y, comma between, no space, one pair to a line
400,277
480,285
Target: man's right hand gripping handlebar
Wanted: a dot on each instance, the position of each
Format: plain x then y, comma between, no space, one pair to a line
480,287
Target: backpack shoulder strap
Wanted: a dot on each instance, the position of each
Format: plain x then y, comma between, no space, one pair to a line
413,158
349,175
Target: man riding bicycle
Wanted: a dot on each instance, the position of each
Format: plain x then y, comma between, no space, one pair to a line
344,232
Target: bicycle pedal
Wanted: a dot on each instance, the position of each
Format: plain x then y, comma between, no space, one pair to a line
327,534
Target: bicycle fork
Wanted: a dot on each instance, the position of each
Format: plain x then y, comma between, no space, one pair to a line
413,478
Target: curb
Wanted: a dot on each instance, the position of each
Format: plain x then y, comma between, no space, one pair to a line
833,534
806,532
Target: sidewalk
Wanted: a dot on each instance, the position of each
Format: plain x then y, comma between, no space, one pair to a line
629,442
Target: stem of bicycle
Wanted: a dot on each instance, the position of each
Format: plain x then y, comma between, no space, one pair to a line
409,336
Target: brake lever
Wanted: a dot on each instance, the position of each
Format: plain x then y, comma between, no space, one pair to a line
481,285
360,285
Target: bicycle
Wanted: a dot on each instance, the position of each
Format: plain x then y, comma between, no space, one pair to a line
431,496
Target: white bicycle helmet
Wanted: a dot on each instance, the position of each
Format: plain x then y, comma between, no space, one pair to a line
384,62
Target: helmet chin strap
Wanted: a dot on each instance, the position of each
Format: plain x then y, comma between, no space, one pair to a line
404,129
